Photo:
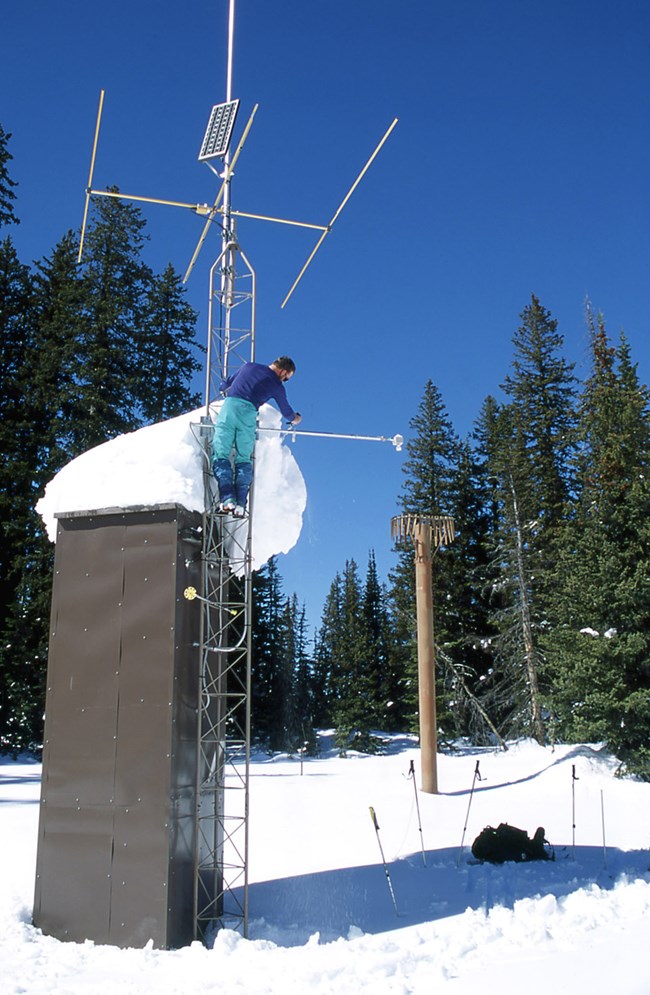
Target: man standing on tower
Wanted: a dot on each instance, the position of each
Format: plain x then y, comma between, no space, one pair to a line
246,391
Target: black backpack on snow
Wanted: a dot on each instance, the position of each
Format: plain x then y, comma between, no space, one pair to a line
509,843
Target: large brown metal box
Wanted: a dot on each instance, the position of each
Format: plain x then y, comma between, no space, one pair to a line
116,842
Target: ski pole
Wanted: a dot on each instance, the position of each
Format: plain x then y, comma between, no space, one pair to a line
477,775
602,817
383,859
573,807
417,807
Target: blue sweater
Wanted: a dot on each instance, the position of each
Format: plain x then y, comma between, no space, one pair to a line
258,384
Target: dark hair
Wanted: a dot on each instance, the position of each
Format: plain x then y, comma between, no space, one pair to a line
286,364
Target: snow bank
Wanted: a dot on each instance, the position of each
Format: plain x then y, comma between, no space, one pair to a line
164,464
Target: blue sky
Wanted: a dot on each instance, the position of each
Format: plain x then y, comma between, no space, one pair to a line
520,164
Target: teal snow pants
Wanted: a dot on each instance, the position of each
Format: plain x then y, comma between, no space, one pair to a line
235,429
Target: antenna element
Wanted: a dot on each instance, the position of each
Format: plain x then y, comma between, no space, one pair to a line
338,211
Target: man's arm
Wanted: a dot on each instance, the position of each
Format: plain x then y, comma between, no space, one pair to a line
284,406
225,384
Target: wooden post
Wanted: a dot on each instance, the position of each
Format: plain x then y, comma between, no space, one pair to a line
425,531
426,659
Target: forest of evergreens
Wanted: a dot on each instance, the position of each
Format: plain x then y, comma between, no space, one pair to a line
542,602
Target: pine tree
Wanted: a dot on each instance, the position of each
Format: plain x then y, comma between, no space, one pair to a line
292,729
16,435
432,456
19,441
117,282
7,185
284,733
542,388
57,308
527,447
467,656
282,692
303,683
429,489
266,646
599,646
343,651
325,651
49,330
384,673
167,350
542,391
513,695
61,315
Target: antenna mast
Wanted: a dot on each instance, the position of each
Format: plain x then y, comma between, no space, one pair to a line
223,754
227,238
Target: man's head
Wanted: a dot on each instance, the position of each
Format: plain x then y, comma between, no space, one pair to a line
284,367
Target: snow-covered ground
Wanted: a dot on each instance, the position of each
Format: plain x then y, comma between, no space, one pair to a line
322,916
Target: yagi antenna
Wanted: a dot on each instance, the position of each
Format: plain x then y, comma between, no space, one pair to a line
338,211
215,145
324,229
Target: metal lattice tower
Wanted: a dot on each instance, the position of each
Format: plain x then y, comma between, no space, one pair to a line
221,885
223,754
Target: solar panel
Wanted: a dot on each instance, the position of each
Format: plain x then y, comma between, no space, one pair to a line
219,130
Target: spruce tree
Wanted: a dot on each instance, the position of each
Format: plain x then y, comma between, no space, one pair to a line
292,729
19,442
268,602
542,390
112,382
284,726
48,385
167,350
303,689
512,693
599,645
433,452
383,670
17,341
325,652
467,656
526,452
344,642
61,314
282,693
7,185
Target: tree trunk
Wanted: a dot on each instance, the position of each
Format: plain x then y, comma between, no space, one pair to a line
526,625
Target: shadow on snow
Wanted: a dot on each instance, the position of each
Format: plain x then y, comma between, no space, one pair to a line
331,903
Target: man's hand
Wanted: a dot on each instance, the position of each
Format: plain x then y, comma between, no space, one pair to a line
296,420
